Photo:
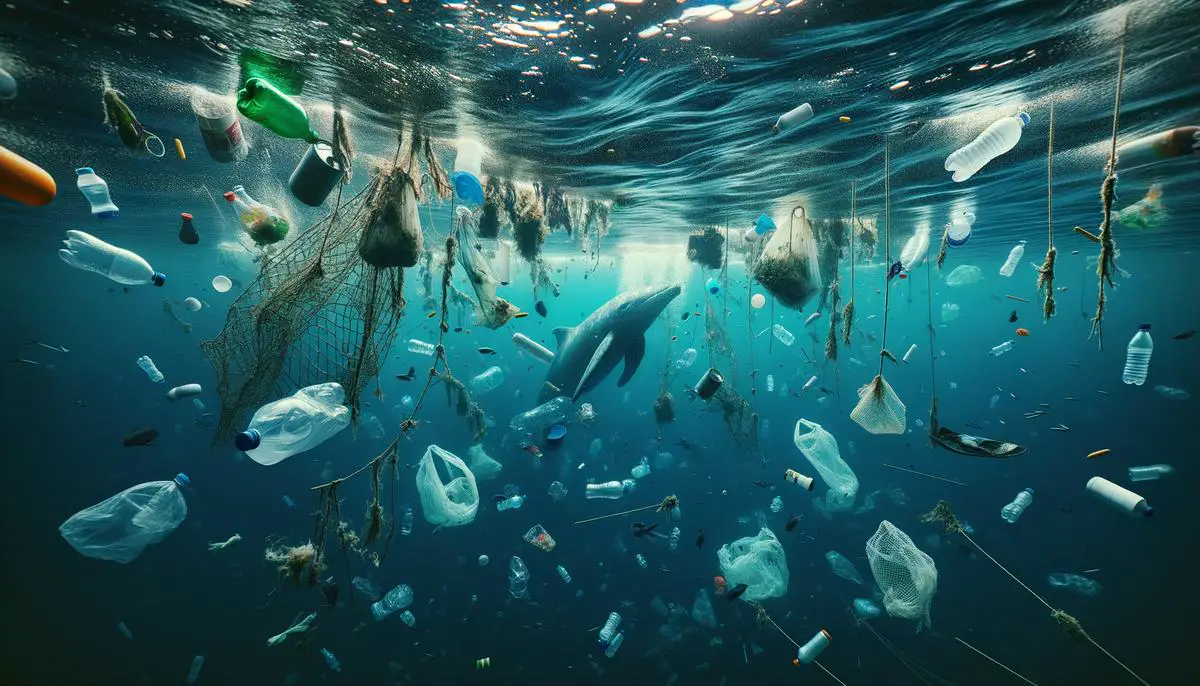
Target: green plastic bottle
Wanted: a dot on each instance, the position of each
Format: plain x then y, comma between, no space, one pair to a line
267,105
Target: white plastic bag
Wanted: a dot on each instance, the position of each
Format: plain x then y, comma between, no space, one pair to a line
821,449
452,503
121,527
757,561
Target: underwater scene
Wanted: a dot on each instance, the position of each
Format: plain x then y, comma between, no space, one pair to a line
661,342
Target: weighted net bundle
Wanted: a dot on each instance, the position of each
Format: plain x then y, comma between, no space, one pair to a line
907,576
879,409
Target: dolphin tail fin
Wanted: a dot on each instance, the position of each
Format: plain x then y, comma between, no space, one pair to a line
633,357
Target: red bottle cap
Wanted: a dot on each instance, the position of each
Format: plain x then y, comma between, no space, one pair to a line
185,216
229,196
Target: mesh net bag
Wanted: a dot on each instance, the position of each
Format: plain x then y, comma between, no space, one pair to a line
821,449
392,237
757,561
907,576
788,266
879,409
450,503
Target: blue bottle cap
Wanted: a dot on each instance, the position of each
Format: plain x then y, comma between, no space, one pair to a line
85,170
158,279
713,286
182,479
1024,117
557,433
247,440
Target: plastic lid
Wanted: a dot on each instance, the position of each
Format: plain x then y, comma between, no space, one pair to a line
85,170
185,216
182,479
557,432
158,279
1148,512
229,196
1029,490
1024,117
247,440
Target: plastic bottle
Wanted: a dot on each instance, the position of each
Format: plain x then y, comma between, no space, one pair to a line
294,424
331,660
997,139
263,223
641,471
793,118
818,643
1012,511
406,524
673,542
770,383
1119,497
95,189
125,631
289,503
609,490
184,391
1001,349
615,644
518,578
911,349
187,231
511,503
562,572
120,527
487,380
261,101
147,366
1014,258
641,560
1137,356
194,672
535,349
609,631
557,491
959,231
408,618
785,337
421,347
85,251
776,504
554,411
1150,472
396,599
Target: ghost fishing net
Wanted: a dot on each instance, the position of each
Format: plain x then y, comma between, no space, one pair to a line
741,420
326,307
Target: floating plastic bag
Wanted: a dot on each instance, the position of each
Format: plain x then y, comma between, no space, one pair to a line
482,465
493,311
879,409
454,502
964,275
757,561
821,449
1147,213
949,312
393,234
788,265
907,576
121,527
702,610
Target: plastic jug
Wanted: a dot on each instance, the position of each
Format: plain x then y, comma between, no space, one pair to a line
85,251
997,139
264,103
121,527
294,424
264,224
95,189
1137,357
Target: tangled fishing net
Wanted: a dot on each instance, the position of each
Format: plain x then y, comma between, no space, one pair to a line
741,420
905,574
326,306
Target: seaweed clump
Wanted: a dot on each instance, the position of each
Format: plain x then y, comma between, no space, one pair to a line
706,248
529,227
298,563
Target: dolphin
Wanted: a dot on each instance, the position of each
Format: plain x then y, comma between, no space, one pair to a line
588,352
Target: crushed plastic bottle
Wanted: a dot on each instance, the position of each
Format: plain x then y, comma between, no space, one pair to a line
770,383
998,138
641,471
408,618
1137,357
194,671
396,599
1151,472
294,424
151,370
992,403
641,560
777,504
421,347
1001,349
562,572
609,490
513,502
406,524
673,542
487,381
686,360
785,337
557,491
90,254
1012,511
518,578
1014,258
95,189
554,411
289,503
331,660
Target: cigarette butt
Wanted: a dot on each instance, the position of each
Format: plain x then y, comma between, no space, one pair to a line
179,149
1099,453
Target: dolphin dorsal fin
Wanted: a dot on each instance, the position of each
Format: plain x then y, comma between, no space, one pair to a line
561,333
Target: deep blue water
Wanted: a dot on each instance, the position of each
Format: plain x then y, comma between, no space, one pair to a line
688,135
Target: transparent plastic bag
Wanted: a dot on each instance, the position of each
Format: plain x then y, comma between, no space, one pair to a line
121,527
454,502
820,448
757,561
483,465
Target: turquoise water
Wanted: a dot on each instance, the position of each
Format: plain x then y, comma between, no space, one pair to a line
675,142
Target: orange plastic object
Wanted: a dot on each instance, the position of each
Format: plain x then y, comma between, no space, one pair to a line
24,181
179,149
1022,332
1099,453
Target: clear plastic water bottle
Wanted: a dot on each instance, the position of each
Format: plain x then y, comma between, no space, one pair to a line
770,383
615,644
1012,511
408,618
1001,349
95,189
294,424
511,503
194,672
785,337
554,411
609,490
997,139
673,542
85,251
487,381
518,578
1014,258
394,600
331,660
421,347
1137,356
406,524
609,631
1150,472
641,560
147,366
777,504
562,572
